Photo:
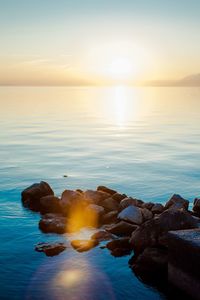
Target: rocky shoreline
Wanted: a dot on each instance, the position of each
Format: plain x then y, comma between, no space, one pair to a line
129,225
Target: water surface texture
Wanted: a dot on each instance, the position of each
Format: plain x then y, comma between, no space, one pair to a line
141,141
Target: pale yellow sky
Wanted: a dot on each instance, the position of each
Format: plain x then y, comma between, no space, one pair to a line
76,43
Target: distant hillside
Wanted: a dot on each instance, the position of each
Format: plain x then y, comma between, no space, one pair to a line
191,80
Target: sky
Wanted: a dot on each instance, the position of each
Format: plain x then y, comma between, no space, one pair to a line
48,42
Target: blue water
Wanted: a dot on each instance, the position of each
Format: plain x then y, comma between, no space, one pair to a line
141,141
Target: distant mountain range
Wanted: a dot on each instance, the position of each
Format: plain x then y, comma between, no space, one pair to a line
191,80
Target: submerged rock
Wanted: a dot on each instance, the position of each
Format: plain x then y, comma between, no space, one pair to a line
102,235
53,223
131,214
122,228
84,245
50,249
31,196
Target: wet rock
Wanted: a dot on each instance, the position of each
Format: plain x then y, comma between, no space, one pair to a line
71,199
31,196
50,249
106,190
50,204
118,196
177,202
157,208
151,264
119,247
127,202
110,204
95,197
122,228
148,205
147,214
53,223
110,217
196,206
149,233
102,235
131,214
84,245
95,209
139,203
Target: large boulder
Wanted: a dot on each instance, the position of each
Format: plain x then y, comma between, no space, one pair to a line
110,204
53,223
131,214
196,206
122,228
93,213
119,247
127,202
106,190
177,202
147,214
70,200
95,197
110,217
31,196
50,204
50,249
118,196
149,233
148,205
157,208
151,264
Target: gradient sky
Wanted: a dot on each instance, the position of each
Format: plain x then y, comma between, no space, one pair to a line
98,42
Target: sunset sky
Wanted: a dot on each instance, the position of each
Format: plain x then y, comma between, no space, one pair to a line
48,42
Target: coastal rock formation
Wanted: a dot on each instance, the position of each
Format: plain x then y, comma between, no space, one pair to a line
119,247
102,235
84,245
53,223
122,228
177,202
196,207
31,195
50,204
131,214
50,249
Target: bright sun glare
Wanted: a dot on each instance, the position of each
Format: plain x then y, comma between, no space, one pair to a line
120,68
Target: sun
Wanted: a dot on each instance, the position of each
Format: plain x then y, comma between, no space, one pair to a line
120,68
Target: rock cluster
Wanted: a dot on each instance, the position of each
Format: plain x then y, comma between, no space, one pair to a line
130,224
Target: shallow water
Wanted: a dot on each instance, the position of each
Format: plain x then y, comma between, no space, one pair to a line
141,141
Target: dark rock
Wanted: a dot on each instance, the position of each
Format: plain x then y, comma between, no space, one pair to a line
127,202
131,214
147,214
148,234
177,202
139,203
84,245
110,217
52,223
151,264
79,191
119,247
148,205
122,228
50,204
196,206
50,249
118,196
110,204
157,208
102,235
95,197
31,195
70,200
95,209
106,190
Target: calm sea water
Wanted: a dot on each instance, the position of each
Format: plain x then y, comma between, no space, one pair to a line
141,141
